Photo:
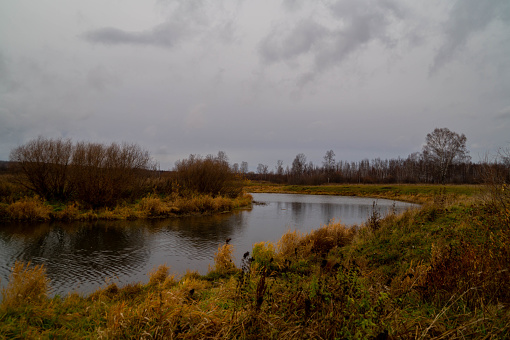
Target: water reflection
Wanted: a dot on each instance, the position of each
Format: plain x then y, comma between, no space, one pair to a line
80,256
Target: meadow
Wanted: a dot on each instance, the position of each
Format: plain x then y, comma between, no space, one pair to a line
437,272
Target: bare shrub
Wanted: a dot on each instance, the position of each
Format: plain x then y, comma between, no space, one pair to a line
93,173
27,285
105,174
210,175
43,165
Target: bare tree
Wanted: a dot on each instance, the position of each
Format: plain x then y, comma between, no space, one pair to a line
444,148
299,164
235,168
43,165
329,163
105,174
95,174
262,169
244,167
279,167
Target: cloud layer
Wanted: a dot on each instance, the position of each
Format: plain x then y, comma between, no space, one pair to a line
260,80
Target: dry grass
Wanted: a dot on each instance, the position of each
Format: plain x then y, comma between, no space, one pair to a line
224,260
160,276
29,209
27,285
35,209
152,206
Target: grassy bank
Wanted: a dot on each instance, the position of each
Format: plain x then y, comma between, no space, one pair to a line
438,272
152,206
415,193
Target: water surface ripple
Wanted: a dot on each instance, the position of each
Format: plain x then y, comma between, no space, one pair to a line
82,256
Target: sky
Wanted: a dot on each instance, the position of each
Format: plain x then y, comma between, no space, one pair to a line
260,80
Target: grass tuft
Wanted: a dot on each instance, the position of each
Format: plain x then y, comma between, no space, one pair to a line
223,260
27,285
29,209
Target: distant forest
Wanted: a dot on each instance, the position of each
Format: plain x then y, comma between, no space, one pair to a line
444,159
413,169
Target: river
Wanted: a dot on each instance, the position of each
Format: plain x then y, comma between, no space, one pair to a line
83,256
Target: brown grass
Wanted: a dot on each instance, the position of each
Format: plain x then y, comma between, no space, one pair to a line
29,209
223,260
160,276
27,284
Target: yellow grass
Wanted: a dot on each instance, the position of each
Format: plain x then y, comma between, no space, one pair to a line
29,209
27,284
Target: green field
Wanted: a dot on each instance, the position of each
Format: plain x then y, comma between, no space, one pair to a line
416,193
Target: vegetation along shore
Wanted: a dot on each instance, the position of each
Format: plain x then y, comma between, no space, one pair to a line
56,179
440,271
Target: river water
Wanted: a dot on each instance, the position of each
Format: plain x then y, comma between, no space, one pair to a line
83,256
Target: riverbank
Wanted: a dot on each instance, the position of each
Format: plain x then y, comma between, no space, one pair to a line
152,206
440,271
412,193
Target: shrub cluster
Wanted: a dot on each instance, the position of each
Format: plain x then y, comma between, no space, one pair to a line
96,174
210,175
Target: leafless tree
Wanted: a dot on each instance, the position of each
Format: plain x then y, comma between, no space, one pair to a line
279,167
444,148
262,169
244,167
93,173
209,175
329,161
43,165
299,164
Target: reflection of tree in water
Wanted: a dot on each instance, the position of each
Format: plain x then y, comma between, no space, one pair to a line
199,230
77,251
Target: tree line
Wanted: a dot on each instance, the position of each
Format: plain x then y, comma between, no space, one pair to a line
444,159
99,175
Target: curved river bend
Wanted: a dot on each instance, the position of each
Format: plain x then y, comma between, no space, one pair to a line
80,256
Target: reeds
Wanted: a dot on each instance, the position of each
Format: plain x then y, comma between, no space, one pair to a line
27,285
223,260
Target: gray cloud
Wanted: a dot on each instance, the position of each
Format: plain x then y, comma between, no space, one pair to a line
466,18
261,80
166,35
284,44
350,26
188,19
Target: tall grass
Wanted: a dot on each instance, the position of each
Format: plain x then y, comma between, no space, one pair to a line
27,285
29,209
150,206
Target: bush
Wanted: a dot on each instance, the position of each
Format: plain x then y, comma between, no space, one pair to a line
211,175
96,174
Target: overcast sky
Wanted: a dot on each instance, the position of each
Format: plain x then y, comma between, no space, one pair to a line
261,80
